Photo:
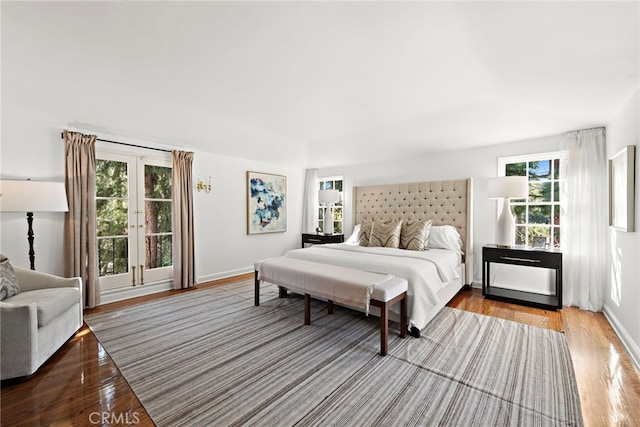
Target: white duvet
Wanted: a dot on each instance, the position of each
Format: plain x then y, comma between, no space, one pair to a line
426,272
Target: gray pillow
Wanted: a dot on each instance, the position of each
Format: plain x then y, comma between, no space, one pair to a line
8,281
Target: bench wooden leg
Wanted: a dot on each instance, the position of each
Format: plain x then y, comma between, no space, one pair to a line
282,292
307,309
330,307
403,317
384,329
256,292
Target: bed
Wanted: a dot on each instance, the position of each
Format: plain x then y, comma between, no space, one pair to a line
434,275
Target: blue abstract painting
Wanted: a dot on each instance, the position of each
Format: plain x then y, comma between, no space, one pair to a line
266,203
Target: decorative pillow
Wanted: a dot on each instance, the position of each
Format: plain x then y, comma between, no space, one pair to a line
8,281
415,235
445,237
364,234
353,239
386,235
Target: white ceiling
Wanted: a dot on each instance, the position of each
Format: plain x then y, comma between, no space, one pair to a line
325,83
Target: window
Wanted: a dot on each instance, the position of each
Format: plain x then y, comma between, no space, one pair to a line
331,183
539,214
133,209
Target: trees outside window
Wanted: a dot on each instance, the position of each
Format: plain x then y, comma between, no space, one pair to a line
539,214
133,209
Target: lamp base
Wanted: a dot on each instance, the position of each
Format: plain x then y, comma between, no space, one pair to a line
506,224
328,221
32,253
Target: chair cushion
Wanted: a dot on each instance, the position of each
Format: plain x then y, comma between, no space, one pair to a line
8,281
50,303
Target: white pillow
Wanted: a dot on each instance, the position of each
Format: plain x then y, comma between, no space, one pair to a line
445,237
353,239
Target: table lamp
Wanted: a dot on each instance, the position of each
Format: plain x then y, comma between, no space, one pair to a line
328,198
506,188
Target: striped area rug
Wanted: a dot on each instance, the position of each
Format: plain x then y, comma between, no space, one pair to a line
211,358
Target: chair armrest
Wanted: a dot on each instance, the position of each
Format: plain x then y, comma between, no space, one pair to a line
18,336
30,280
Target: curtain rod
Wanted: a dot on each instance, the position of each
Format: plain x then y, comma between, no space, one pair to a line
125,143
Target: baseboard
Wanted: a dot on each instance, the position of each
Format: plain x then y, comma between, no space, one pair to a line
625,338
225,274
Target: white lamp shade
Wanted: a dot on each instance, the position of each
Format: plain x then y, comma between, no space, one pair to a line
328,197
508,186
32,196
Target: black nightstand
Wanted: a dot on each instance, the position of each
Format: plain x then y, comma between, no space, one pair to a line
520,255
319,239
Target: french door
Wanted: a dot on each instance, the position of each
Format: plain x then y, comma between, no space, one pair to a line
133,209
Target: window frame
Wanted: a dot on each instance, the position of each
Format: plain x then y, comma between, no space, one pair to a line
555,202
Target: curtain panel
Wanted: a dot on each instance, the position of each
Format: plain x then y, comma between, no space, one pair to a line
80,234
584,204
310,204
183,230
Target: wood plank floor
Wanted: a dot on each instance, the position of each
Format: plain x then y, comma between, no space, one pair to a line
81,386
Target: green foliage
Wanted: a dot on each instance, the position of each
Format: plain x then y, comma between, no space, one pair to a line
112,210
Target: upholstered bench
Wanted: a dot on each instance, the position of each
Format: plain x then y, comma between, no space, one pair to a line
347,286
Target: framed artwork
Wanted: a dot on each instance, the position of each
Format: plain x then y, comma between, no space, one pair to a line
622,189
539,242
266,203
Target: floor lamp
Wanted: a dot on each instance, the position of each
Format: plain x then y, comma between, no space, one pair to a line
506,188
328,198
30,197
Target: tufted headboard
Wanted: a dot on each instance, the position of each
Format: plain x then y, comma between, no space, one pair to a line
445,202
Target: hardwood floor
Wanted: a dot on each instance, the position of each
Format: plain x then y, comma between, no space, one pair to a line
80,384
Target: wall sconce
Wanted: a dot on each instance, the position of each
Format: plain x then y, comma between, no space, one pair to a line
201,185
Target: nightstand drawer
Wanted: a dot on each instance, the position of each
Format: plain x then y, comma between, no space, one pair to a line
320,239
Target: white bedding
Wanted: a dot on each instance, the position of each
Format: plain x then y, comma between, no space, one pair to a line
426,272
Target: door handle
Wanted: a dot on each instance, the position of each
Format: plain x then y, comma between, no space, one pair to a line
133,275
142,274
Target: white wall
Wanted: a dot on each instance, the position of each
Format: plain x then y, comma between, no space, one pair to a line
223,247
622,299
480,164
32,148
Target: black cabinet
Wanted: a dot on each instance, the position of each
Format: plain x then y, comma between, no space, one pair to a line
522,256
319,239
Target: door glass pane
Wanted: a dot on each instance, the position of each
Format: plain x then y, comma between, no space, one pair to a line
157,182
157,216
113,255
157,205
111,179
158,251
112,210
112,217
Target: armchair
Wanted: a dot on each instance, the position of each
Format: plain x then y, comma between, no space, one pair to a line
37,321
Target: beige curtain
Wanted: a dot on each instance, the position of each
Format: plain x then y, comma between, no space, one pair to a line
183,245
80,241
